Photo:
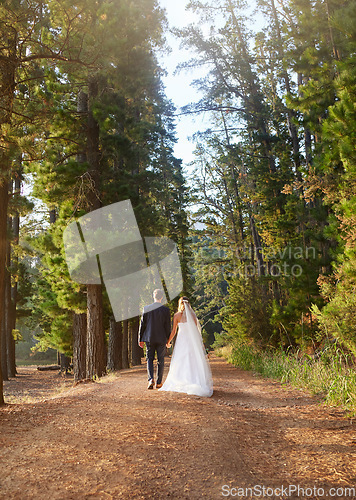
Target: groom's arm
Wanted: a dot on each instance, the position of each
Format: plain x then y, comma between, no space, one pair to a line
168,324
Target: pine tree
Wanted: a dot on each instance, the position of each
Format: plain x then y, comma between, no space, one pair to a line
115,345
132,128
261,188
339,182
28,38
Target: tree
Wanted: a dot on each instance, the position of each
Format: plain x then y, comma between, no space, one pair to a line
29,34
261,177
337,318
115,351
118,148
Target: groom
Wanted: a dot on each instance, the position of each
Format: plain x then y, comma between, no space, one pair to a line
155,327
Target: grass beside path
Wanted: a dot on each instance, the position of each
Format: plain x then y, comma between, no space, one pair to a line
332,376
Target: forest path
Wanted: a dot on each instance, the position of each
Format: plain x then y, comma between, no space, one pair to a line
116,440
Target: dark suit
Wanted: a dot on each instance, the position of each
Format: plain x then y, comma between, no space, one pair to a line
155,328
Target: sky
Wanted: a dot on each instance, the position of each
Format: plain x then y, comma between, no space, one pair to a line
178,88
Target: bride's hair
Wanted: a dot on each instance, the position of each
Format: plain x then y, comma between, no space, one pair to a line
181,305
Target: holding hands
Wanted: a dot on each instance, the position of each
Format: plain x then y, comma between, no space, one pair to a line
176,319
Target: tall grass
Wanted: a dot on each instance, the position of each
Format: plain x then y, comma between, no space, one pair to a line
332,376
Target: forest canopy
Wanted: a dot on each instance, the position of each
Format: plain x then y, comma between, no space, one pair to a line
275,172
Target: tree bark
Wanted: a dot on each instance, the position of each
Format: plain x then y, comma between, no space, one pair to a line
4,343
332,40
93,154
79,346
48,368
65,363
95,363
136,351
80,320
238,201
14,260
6,312
11,347
115,345
308,147
52,216
8,39
125,344
129,343
257,247
96,351
8,316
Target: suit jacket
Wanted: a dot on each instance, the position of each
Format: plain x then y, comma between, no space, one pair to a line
155,324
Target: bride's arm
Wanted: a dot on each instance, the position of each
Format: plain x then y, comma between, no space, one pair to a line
174,330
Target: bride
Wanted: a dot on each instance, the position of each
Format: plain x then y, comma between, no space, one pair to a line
189,371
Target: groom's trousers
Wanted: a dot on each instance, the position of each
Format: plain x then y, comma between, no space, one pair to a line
151,349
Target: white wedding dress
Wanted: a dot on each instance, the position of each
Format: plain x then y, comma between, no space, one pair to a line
189,371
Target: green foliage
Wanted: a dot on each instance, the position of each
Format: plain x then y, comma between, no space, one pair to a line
331,376
275,174
113,45
246,314
337,318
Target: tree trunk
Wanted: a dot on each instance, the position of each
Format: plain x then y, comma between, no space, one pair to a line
4,199
8,40
52,216
136,350
293,132
11,347
332,40
65,363
308,147
14,260
96,351
257,247
95,363
129,343
6,311
80,320
79,346
93,153
125,344
4,344
115,345
8,317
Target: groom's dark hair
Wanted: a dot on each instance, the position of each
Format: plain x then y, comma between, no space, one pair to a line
158,294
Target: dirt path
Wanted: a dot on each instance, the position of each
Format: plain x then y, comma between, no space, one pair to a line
115,439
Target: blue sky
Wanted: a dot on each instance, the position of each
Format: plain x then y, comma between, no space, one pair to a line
178,87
